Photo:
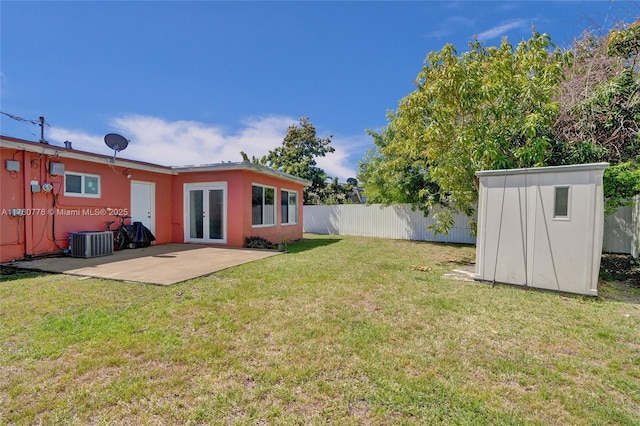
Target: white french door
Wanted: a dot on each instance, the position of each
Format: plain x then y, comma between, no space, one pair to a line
205,212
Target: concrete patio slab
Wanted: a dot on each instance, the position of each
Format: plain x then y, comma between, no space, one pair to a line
162,265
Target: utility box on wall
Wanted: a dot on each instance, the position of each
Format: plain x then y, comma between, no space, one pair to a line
56,169
541,227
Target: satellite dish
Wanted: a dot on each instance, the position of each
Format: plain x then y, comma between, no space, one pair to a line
116,142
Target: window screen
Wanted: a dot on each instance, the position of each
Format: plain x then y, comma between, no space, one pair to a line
263,205
81,185
73,184
289,208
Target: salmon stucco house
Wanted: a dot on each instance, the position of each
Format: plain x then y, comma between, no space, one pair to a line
49,192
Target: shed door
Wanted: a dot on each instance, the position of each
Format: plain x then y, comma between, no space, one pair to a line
205,213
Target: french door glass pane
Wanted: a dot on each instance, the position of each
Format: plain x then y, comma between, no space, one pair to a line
196,213
216,206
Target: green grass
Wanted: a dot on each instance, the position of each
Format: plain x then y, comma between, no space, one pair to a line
340,330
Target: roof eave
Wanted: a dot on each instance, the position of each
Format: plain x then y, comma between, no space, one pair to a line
62,152
234,166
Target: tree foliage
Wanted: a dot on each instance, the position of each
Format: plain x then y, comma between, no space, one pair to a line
509,107
335,192
393,176
600,114
488,108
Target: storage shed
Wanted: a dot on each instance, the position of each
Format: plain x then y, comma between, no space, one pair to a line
541,227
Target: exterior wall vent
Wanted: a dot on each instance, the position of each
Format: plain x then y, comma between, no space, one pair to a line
91,243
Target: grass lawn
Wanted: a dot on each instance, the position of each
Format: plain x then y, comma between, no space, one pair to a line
340,330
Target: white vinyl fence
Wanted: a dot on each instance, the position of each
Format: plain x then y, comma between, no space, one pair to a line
377,220
621,230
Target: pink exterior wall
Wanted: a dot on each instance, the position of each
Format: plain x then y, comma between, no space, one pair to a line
33,232
234,202
49,213
279,231
239,225
12,229
163,199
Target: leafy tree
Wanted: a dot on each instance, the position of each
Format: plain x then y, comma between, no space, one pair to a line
393,176
488,108
297,156
335,192
507,107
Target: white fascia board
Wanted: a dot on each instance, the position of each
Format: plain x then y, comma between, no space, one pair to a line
61,152
219,167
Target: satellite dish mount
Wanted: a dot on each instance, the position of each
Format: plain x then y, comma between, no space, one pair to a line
116,142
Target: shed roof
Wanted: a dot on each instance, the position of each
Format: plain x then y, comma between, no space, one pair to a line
549,169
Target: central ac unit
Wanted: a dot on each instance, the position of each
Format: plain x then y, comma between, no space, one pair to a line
91,243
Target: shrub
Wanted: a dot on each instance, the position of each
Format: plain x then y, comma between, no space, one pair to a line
257,242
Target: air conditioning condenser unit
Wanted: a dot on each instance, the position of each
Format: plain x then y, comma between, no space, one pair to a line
91,243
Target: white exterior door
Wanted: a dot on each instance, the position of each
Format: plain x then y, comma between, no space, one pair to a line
143,204
205,214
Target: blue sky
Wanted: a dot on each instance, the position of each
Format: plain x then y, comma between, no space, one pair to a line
198,82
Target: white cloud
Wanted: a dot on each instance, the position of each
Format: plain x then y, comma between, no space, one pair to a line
501,29
190,142
343,162
81,140
178,143
449,27
463,20
335,164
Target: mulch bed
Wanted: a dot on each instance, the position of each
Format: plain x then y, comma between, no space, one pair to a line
620,267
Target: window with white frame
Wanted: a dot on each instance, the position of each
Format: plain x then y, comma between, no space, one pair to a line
288,207
263,205
81,185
